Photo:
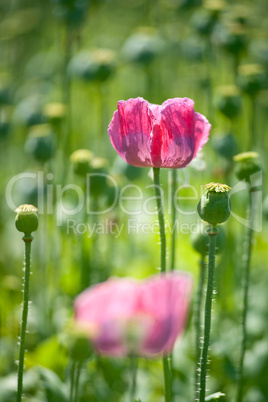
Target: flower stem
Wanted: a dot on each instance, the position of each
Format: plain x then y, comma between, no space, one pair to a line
27,240
253,134
198,309
161,219
166,369
76,384
167,379
212,232
246,273
133,367
72,380
173,219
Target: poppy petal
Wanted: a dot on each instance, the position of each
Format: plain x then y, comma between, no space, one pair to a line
130,130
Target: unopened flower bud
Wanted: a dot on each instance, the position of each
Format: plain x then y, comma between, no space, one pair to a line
80,160
215,205
247,165
26,220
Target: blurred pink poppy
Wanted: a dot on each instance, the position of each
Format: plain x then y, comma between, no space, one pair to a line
129,317
167,135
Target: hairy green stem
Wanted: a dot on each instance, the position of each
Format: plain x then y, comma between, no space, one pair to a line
72,380
246,273
173,219
212,232
160,209
197,322
77,377
133,368
27,240
161,219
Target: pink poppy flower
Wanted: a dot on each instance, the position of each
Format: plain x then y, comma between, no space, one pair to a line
167,135
123,316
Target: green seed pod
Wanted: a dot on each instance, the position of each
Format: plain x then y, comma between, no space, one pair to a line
71,12
81,160
41,142
98,181
225,145
200,242
97,65
215,205
203,22
28,112
232,37
228,101
251,78
80,348
26,220
247,165
192,48
54,112
143,47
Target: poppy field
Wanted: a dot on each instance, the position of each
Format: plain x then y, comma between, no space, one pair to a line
134,206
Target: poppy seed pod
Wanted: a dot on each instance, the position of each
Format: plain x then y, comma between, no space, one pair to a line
247,164
251,78
228,101
41,142
225,145
143,47
71,12
215,205
80,160
55,112
192,48
26,220
97,65
203,21
232,37
98,179
79,347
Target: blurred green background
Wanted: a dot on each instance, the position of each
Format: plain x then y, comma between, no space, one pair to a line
64,65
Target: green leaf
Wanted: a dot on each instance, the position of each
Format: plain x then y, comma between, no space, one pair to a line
214,397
